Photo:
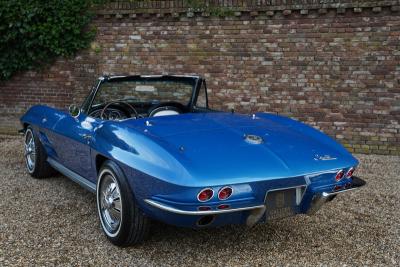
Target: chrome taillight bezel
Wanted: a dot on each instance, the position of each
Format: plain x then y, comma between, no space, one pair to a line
223,188
338,174
351,171
205,189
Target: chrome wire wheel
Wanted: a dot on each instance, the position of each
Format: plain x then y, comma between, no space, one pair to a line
109,203
30,152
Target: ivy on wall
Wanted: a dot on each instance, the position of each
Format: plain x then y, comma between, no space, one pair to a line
33,33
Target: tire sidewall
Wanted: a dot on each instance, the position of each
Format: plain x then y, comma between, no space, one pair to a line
126,196
30,130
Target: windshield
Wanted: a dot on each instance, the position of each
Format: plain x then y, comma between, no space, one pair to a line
146,90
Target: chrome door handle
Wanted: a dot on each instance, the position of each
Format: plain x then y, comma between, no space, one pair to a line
86,136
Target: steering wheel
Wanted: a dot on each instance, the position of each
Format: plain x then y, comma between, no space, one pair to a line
118,102
166,108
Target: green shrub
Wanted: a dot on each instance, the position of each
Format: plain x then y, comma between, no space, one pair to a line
35,32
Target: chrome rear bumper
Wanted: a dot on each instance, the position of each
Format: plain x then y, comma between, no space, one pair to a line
257,211
198,212
321,198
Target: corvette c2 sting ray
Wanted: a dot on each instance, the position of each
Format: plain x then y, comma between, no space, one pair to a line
150,148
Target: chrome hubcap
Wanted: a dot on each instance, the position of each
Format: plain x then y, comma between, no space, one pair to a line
30,154
110,204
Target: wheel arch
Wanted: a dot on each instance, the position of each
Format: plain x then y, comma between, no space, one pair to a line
99,161
133,177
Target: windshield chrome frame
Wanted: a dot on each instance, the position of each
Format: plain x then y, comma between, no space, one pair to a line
87,104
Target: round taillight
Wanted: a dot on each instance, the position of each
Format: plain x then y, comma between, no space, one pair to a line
337,187
225,193
205,194
350,172
339,175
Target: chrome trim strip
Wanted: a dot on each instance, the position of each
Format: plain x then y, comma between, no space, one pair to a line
199,212
151,76
117,76
184,76
321,198
88,185
326,194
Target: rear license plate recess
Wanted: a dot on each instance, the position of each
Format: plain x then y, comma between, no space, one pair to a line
281,203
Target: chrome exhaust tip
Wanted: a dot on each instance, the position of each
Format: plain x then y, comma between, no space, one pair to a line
254,216
206,220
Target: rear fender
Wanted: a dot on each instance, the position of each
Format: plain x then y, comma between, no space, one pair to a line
305,129
43,120
139,152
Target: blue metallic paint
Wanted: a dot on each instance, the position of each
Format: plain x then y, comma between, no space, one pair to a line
174,158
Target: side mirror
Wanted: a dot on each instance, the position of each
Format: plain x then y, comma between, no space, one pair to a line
74,110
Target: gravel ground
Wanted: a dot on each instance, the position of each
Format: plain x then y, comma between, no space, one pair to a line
54,222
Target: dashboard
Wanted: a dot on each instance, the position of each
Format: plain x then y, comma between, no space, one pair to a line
109,114
119,110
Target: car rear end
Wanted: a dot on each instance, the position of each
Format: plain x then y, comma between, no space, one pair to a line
249,203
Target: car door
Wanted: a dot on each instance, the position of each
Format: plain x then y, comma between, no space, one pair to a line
73,137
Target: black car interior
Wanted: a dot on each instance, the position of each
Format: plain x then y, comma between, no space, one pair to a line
119,110
142,96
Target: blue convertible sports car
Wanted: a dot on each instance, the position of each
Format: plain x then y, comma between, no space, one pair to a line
149,147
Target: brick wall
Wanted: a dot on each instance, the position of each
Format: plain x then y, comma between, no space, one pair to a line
335,66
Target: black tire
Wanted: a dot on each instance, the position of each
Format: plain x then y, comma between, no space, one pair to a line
39,168
134,225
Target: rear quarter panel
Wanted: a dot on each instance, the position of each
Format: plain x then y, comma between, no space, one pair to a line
43,119
134,149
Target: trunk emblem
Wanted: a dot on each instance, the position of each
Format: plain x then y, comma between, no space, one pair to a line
323,157
253,139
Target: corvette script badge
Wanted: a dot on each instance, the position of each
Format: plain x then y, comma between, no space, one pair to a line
323,157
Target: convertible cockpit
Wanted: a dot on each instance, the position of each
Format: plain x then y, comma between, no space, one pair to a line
123,97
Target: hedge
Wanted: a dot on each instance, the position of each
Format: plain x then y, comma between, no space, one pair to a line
35,32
